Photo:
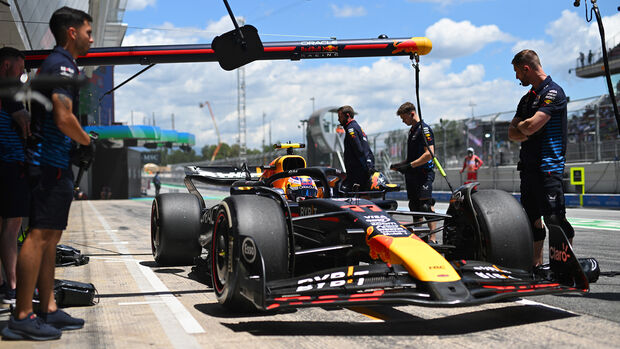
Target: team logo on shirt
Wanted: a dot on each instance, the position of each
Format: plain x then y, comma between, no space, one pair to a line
427,133
66,71
550,97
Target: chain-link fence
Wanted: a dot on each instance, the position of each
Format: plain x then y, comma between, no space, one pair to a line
592,136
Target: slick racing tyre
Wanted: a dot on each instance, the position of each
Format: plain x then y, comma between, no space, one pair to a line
241,218
175,228
506,236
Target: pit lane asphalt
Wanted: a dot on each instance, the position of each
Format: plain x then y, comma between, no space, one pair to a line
144,305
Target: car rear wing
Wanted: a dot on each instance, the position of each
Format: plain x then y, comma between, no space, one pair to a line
222,175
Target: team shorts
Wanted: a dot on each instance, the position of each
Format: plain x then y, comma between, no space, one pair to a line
14,190
542,194
419,184
52,193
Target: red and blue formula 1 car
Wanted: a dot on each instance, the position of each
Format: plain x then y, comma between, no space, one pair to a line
288,236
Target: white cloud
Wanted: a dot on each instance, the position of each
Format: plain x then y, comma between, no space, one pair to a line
445,3
348,11
566,37
168,34
137,5
470,39
282,90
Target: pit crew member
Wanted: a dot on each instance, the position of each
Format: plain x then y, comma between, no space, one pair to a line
540,124
418,168
52,191
14,190
359,161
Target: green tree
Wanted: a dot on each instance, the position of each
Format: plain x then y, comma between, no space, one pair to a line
234,150
224,151
180,156
207,151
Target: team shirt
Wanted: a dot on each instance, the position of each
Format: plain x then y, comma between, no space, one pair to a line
357,153
545,150
415,144
11,145
55,145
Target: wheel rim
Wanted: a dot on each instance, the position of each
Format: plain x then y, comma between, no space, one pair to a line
220,253
154,228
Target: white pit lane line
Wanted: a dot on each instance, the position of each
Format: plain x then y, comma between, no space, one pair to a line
166,307
529,302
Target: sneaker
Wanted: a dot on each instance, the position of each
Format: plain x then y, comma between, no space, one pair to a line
31,327
61,320
9,296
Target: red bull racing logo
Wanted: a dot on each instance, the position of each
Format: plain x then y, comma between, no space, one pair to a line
420,45
407,46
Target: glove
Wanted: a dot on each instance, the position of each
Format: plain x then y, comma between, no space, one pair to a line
83,155
400,167
370,166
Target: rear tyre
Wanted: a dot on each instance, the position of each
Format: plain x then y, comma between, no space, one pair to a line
506,236
175,228
239,217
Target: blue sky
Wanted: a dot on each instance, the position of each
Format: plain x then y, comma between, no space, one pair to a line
473,44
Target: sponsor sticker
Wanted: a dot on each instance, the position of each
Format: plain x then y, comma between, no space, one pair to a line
335,279
559,255
248,250
386,226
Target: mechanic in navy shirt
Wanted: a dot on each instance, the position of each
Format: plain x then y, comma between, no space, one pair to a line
14,190
418,168
52,191
540,125
359,162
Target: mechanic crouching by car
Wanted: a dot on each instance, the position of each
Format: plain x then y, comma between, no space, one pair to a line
359,162
540,124
418,168
52,189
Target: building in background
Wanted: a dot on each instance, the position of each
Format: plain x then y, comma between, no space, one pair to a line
116,172
24,25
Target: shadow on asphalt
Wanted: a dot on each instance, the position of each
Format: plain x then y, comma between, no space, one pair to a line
219,311
605,296
168,270
472,322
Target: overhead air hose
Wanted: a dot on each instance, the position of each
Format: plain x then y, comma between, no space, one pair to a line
601,31
415,63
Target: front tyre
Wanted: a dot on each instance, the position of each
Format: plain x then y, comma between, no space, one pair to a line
238,218
506,236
